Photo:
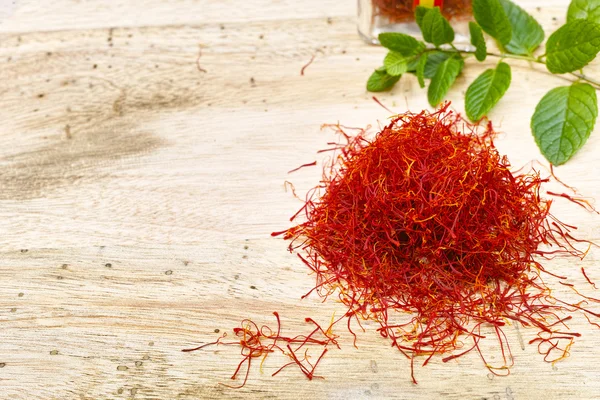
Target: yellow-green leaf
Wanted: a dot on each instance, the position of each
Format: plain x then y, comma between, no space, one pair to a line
395,63
584,9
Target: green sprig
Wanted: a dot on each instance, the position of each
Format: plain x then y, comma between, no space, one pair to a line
564,117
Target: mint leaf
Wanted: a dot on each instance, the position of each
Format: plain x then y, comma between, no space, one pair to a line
380,80
486,91
421,70
527,33
413,62
492,18
584,9
403,44
420,12
395,64
434,59
435,28
443,79
572,46
563,120
478,41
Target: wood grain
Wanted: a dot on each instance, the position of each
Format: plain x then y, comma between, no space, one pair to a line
132,183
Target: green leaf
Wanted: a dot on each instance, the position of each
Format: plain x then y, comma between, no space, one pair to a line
485,91
395,64
572,46
527,33
434,59
584,9
478,41
492,18
420,12
563,120
401,43
421,70
413,62
435,28
380,80
443,79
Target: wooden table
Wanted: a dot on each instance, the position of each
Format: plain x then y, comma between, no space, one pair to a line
138,194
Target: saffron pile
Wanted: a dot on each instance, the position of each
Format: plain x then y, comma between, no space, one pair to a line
426,230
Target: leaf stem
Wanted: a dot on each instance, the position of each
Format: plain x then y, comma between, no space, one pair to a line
579,76
586,78
506,55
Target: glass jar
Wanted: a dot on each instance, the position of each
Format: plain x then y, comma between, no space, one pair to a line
377,16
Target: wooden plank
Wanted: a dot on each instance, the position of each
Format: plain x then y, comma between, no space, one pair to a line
76,14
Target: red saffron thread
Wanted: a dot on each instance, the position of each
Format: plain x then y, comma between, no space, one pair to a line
306,65
587,278
581,202
590,321
312,164
256,341
382,105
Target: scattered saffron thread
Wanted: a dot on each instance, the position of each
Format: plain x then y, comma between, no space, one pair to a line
590,321
571,188
382,105
289,184
258,342
198,61
587,278
306,65
581,202
312,164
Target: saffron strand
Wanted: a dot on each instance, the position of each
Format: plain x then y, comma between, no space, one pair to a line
587,278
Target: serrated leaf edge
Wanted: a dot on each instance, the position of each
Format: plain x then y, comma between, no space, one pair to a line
485,107
550,110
